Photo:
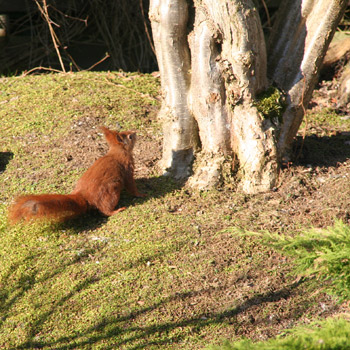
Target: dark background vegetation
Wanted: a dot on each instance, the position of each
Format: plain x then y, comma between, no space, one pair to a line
86,31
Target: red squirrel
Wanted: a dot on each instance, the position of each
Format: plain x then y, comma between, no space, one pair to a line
99,187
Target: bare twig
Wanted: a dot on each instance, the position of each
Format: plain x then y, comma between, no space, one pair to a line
100,61
54,38
267,13
25,73
146,28
71,17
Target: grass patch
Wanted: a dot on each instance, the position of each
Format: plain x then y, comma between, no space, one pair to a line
117,276
34,103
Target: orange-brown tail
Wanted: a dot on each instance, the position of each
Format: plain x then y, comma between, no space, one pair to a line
57,207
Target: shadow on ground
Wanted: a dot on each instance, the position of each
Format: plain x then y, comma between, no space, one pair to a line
153,187
323,151
138,337
5,158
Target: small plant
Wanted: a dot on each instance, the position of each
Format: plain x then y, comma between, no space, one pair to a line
271,104
331,334
324,254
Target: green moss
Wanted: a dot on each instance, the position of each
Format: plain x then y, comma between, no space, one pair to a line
271,104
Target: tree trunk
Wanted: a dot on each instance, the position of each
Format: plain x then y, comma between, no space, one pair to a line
169,22
297,46
213,68
208,102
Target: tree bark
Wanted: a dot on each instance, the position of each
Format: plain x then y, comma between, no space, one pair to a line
212,76
298,43
243,63
207,101
180,136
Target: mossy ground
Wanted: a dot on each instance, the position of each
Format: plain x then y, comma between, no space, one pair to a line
167,272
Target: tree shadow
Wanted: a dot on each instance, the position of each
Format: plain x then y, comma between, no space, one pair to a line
322,151
5,158
140,337
158,186
27,274
28,278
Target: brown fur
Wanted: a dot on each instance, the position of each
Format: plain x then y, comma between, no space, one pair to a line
99,187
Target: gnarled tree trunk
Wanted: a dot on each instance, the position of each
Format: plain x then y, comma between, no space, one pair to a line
214,65
297,46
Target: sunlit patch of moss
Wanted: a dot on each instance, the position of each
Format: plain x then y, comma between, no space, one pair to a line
271,104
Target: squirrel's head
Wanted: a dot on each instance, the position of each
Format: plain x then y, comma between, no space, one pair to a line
125,138
128,138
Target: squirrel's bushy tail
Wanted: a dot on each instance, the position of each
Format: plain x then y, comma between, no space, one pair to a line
57,207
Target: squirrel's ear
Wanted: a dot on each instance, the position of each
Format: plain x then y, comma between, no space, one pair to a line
111,136
108,133
104,130
119,138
